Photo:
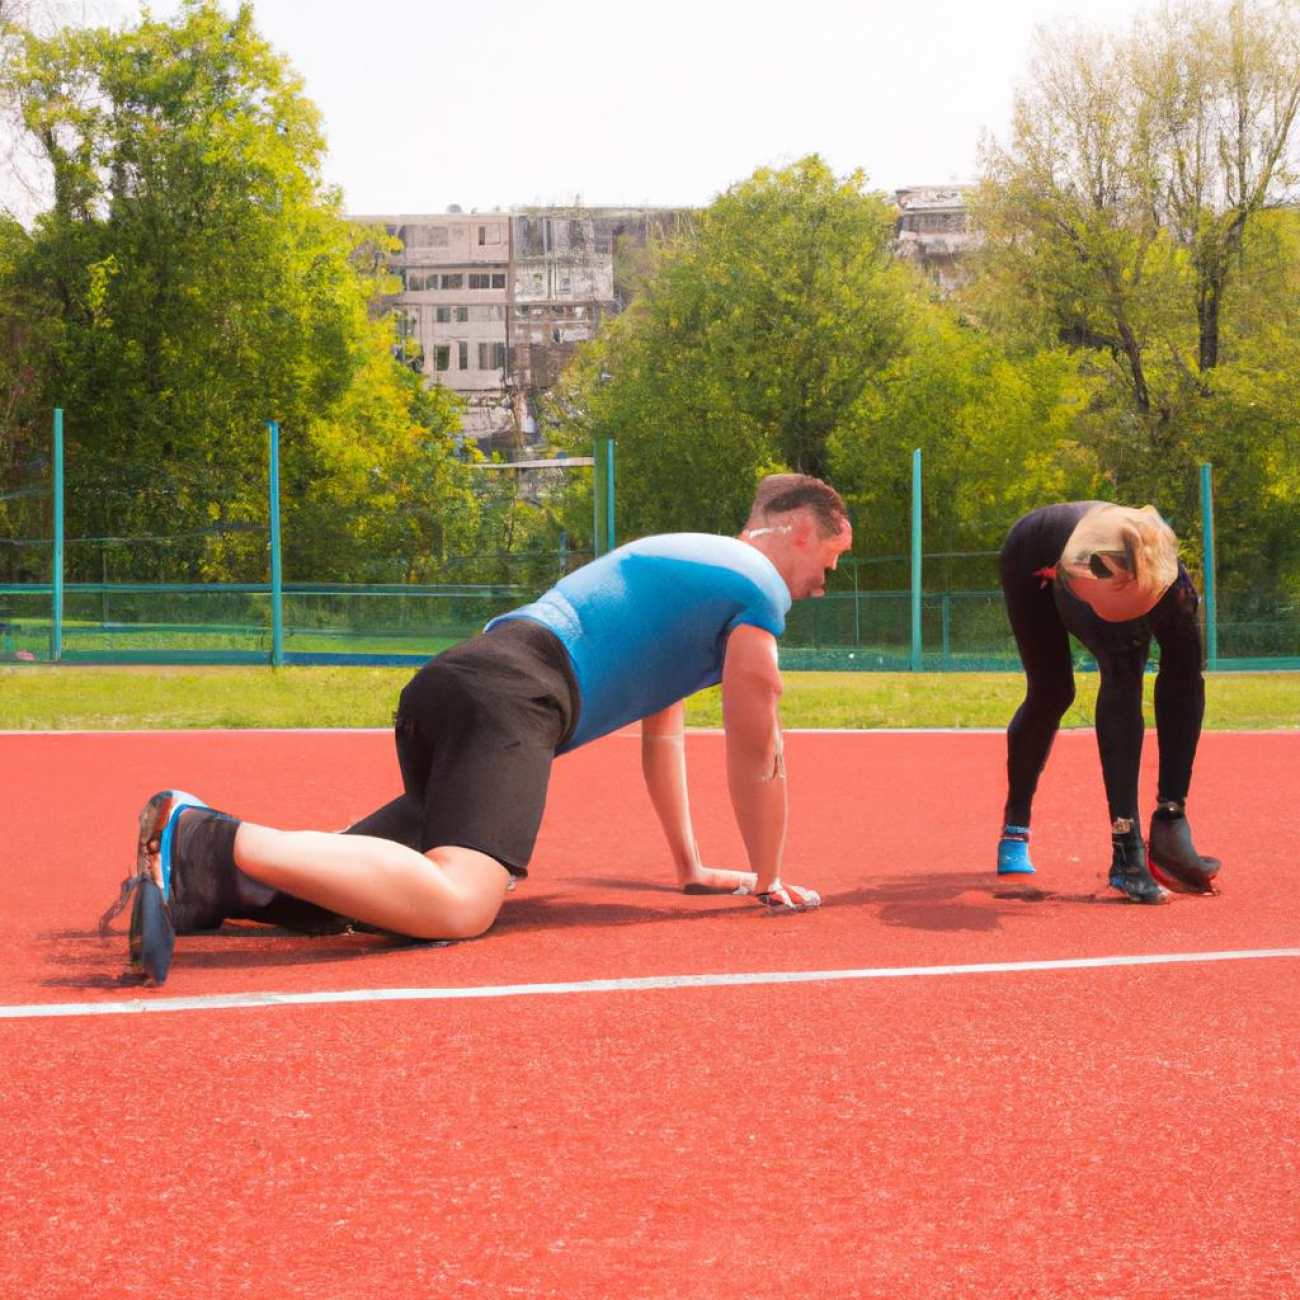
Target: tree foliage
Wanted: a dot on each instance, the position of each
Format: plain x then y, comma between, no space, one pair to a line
194,279
780,333
752,342
1133,215
997,432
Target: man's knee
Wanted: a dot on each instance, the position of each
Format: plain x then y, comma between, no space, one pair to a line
478,884
466,923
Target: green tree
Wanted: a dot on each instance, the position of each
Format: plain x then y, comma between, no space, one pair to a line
753,340
997,432
1074,252
1220,89
197,279
1129,216
1250,428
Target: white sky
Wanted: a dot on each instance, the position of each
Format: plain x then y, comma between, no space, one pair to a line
501,103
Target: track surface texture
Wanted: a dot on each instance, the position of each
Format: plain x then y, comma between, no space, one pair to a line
1043,1125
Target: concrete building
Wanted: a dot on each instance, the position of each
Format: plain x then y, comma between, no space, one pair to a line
934,231
454,273
493,304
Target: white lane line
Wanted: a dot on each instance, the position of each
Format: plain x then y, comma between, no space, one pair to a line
238,1001
629,733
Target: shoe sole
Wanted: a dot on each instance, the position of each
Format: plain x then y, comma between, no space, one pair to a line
152,936
1183,880
1148,900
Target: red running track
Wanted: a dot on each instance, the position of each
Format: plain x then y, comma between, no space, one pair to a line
1071,1131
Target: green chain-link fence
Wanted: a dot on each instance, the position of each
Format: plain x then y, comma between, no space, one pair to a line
933,612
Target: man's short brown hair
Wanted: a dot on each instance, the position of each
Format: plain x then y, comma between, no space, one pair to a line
778,494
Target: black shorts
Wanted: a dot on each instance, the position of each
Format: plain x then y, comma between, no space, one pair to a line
477,729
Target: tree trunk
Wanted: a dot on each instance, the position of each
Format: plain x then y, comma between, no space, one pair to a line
1207,316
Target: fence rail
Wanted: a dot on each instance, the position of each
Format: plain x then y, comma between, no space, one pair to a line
279,622
224,623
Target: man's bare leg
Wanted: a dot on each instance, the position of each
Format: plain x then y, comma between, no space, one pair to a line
447,893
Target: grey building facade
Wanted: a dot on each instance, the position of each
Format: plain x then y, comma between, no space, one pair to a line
492,305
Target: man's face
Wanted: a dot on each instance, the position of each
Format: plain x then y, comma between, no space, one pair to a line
816,556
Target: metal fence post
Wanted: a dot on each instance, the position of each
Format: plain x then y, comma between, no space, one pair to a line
277,586
916,561
1211,596
56,583
857,612
609,492
602,469
597,499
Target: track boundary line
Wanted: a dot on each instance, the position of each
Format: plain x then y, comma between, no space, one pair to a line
636,984
624,732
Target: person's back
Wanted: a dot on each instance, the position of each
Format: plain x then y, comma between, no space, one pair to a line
647,624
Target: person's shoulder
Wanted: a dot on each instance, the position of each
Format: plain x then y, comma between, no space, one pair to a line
718,559
710,550
687,545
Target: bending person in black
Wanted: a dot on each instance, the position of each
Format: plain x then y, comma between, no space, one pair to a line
1111,576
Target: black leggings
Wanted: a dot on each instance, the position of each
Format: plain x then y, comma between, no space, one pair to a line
1042,618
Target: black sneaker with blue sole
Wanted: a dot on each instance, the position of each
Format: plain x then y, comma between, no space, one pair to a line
155,916
1129,871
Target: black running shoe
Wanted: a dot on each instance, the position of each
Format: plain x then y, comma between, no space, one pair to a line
157,913
1174,859
1129,872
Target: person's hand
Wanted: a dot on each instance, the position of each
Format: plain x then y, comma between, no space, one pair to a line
783,900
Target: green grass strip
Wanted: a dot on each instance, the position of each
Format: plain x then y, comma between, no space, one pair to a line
76,697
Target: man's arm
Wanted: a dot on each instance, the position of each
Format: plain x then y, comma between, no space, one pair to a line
663,763
751,695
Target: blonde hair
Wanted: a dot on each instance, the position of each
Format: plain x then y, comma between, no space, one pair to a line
1150,548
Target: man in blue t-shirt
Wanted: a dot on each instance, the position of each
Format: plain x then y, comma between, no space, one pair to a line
624,639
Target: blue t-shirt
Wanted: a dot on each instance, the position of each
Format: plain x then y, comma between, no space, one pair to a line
647,624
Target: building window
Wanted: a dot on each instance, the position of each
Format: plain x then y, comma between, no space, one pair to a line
442,315
491,356
489,235
499,280
453,281
425,236
462,358
462,314
442,357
